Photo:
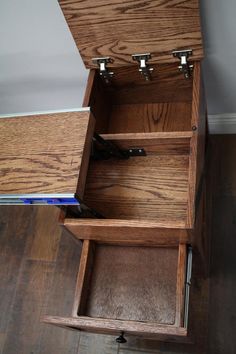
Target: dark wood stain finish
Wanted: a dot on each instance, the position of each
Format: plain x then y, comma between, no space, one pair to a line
143,188
152,117
121,28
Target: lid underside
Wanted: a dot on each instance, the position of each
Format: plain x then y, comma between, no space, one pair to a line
121,28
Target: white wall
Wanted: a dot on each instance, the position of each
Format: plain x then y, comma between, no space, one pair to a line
40,67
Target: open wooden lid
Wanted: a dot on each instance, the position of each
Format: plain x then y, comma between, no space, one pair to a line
44,155
120,28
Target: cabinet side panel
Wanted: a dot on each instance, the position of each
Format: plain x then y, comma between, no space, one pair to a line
197,144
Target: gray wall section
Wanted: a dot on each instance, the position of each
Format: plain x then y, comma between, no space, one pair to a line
219,31
40,68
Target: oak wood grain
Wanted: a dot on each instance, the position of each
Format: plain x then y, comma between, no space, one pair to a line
127,232
158,142
121,28
152,117
143,188
101,325
83,278
43,153
167,85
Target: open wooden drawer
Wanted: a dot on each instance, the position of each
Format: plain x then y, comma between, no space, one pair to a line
135,290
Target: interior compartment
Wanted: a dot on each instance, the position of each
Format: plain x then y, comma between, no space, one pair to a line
152,187
113,288
156,115
129,104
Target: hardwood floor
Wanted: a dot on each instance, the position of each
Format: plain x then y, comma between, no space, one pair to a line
39,263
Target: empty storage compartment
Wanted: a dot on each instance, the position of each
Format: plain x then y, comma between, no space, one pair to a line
138,290
117,291
129,104
158,190
153,188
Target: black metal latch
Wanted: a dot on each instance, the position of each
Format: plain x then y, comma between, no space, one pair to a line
104,149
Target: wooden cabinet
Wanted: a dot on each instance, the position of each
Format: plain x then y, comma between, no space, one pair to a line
132,157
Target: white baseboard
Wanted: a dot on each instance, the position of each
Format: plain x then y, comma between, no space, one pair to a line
222,123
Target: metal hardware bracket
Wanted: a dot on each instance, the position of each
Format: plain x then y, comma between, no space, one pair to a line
184,66
187,285
144,69
102,64
82,210
121,339
110,150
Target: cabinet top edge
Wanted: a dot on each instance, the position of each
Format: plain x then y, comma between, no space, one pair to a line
25,114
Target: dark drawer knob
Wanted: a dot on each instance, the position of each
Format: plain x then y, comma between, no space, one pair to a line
121,338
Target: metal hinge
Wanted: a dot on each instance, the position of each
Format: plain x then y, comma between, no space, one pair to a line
144,69
103,70
184,66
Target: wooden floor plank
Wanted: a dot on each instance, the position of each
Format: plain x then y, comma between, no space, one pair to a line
223,277
60,299
152,117
225,148
24,326
142,188
141,346
15,227
2,341
45,234
97,344
9,272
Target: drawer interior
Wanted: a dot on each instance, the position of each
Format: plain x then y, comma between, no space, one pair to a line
129,104
130,283
139,291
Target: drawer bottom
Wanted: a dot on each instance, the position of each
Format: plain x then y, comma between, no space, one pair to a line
137,290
